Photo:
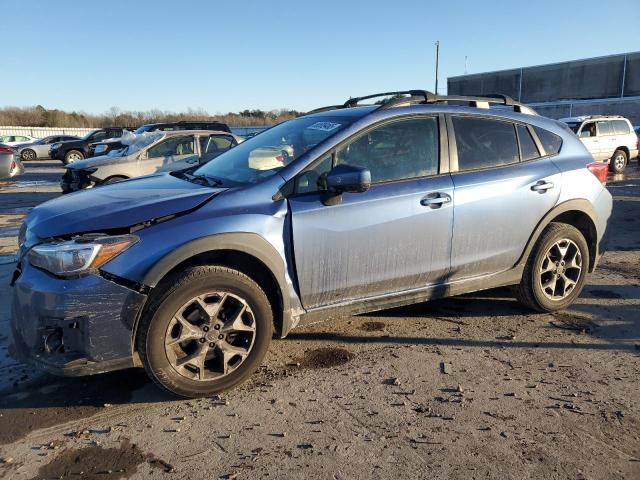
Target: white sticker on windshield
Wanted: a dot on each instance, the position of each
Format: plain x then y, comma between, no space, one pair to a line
324,126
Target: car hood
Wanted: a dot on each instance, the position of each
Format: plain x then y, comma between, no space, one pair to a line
116,206
98,161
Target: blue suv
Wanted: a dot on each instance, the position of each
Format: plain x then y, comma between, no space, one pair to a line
350,208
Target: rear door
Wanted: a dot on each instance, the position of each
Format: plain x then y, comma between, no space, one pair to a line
607,139
392,238
498,198
213,145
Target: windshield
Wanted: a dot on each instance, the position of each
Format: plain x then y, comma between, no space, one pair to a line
138,142
263,155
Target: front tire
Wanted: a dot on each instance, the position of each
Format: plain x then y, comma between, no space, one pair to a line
556,269
72,156
28,154
206,331
618,161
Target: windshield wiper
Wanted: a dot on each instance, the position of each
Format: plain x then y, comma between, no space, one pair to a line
211,181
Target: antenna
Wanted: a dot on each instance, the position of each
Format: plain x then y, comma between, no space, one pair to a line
437,61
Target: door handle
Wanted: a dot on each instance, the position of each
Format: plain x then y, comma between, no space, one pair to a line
542,186
191,160
435,200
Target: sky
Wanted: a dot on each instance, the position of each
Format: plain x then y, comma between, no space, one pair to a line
228,56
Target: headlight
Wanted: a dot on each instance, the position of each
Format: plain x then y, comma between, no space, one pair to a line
80,255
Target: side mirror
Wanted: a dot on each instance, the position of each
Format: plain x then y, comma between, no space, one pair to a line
585,134
348,178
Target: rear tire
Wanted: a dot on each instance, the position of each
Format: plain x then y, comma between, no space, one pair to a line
28,154
206,331
618,161
556,269
72,156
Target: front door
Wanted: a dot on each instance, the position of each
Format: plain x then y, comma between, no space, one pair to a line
174,153
394,237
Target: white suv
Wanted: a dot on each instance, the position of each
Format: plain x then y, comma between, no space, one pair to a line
609,138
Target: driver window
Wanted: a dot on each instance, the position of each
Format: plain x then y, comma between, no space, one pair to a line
98,136
172,146
588,130
396,151
484,143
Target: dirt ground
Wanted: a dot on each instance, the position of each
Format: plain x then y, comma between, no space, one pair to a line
470,387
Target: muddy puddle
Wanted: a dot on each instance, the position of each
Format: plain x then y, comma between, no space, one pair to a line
325,358
373,326
97,462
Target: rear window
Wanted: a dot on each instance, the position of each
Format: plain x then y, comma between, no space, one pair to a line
620,127
528,149
484,143
550,141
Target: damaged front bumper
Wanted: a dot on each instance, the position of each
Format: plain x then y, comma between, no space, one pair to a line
72,327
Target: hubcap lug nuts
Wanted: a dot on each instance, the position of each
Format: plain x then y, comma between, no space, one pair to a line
217,327
206,329
212,344
220,337
202,340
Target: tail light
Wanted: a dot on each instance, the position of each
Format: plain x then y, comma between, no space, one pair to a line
13,166
600,170
4,149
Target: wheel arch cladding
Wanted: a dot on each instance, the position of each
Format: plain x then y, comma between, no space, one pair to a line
247,252
578,213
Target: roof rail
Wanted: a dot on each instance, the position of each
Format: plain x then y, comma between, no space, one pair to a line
426,97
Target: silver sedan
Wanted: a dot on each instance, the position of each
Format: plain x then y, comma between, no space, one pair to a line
10,164
40,148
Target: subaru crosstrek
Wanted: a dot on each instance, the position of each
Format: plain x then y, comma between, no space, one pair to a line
357,208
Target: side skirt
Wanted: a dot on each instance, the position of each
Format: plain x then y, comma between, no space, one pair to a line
409,297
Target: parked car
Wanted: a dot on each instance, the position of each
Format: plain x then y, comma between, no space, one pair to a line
115,144
609,138
74,150
148,153
11,140
10,165
39,149
191,273
184,125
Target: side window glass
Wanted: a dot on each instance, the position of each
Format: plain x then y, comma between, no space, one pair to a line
484,143
528,149
214,145
620,127
98,136
588,130
314,179
172,146
396,151
604,128
550,141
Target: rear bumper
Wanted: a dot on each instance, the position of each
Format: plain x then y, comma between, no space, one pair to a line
72,327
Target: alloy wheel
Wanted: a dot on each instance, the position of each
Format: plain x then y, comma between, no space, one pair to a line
28,155
210,336
619,162
73,157
560,269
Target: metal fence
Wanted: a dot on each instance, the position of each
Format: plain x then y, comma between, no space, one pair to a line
40,132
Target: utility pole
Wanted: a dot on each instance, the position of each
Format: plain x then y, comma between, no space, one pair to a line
437,61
